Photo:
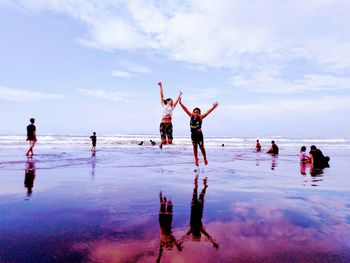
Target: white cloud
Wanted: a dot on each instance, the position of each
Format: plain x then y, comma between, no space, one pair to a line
242,36
11,94
304,107
272,82
107,95
132,69
121,74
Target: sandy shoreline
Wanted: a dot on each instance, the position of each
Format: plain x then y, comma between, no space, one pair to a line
105,208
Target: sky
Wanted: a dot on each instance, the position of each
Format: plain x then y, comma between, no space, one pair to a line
277,68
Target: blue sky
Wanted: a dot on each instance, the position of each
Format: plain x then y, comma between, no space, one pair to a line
277,68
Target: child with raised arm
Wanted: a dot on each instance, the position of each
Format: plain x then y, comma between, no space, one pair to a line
166,126
196,130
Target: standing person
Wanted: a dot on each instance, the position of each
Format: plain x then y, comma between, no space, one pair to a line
258,146
31,137
273,149
196,130
166,126
93,140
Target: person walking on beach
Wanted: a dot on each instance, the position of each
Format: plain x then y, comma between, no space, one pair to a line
196,225
167,239
196,130
31,137
166,126
93,140
258,146
273,149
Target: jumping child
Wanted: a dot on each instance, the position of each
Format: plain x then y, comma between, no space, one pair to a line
196,130
166,127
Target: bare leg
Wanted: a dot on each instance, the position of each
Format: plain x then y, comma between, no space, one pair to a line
204,155
31,146
170,141
195,153
162,142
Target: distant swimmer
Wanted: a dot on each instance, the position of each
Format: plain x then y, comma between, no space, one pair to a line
152,142
31,137
258,146
140,143
273,149
196,130
166,126
304,157
222,145
318,160
93,140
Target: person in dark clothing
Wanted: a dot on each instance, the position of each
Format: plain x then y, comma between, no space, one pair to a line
196,130
273,149
31,137
196,225
318,160
140,143
93,140
152,142
167,239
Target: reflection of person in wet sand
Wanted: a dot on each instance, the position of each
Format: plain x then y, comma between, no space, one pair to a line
196,226
167,239
29,176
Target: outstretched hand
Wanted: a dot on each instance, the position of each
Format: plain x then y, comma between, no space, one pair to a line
215,104
160,84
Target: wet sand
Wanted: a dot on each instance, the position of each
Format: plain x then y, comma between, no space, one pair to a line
73,207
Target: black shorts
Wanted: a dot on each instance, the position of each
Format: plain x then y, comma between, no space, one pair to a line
166,130
197,138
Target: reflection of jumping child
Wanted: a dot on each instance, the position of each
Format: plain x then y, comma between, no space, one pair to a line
196,130
166,126
196,225
167,239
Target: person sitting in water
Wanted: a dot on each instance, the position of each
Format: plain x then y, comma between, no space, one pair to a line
318,160
140,143
152,142
258,146
304,157
273,149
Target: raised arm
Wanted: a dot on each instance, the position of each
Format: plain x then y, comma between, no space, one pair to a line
210,110
178,99
161,92
185,109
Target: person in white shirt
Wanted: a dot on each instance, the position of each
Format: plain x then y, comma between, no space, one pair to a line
166,126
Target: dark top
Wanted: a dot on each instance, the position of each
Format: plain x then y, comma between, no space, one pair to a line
274,149
30,132
195,124
93,139
319,160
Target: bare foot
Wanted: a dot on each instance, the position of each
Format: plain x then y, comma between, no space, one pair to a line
196,161
205,161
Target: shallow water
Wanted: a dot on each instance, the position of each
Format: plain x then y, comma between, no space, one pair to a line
64,205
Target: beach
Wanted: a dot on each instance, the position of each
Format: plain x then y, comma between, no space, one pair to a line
65,205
